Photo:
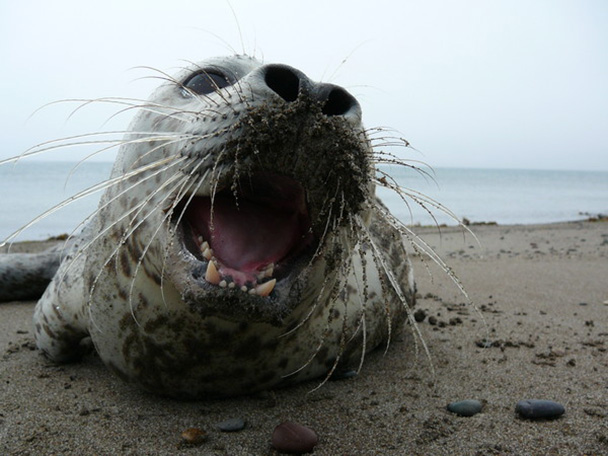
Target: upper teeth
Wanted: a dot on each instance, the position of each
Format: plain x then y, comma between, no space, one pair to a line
212,275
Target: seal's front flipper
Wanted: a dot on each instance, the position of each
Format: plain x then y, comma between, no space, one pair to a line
61,316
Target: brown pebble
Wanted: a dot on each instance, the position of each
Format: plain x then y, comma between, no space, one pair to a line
194,436
289,437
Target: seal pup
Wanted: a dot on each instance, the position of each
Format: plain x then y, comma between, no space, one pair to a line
239,245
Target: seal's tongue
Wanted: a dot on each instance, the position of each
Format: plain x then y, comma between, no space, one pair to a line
258,227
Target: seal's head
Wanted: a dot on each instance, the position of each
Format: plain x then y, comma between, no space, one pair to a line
240,245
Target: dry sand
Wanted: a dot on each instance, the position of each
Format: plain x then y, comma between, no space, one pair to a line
542,291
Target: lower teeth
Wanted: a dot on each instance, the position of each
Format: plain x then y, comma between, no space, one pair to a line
213,276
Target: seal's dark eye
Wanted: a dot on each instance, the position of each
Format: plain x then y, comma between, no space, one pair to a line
207,81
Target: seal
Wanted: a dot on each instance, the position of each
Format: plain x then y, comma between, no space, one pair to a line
238,245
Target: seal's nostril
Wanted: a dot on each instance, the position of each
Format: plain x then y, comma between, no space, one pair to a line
283,81
339,102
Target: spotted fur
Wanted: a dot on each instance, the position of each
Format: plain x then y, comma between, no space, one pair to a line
134,281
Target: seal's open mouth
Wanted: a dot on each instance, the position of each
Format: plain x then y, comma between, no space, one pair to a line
251,235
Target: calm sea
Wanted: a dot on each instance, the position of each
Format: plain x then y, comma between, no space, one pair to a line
27,189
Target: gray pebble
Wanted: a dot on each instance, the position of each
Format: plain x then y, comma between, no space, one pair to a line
419,315
231,425
467,407
343,374
539,409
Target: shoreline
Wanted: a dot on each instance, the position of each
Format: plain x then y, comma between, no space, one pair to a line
540,298
587,217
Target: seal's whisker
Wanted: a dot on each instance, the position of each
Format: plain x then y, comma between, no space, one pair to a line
312,309
164,167
83,249
168,78
344,272
423,247
247,101
363,325
113,143
217,89
363,297
90,190
382,156
139,108
329,204
342,63
335,291
245,217
371,132
377,254
121,244
215,173
392,141
238,27
145,104
316,254
176,201
180,193
141,104
419,198
380,162
362,293
168,140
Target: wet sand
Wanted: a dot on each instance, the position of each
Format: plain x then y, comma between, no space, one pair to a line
541,294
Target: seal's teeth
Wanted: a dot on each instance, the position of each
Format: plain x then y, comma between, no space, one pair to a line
223,284
244,289
208,253
211,275
251,291
266,272
231,285
270,270
204,244
200,240
265,288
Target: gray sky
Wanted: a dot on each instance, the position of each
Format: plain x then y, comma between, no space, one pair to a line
512,84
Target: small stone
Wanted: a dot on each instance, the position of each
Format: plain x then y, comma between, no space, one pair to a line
194,436
231,425
467,407
343,374
289,437
419,315
539,409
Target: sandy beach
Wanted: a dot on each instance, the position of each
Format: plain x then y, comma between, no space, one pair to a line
541,296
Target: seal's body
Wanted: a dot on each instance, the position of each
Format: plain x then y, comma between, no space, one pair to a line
239,246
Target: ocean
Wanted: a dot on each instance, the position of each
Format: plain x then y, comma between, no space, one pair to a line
504,196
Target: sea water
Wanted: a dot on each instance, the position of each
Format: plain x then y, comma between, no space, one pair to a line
504,196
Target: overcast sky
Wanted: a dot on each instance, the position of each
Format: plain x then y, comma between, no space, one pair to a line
509,84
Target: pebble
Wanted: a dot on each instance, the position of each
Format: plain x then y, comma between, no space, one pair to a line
343,375
231,425
194,436
539,409
289,437
419,315
467,407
